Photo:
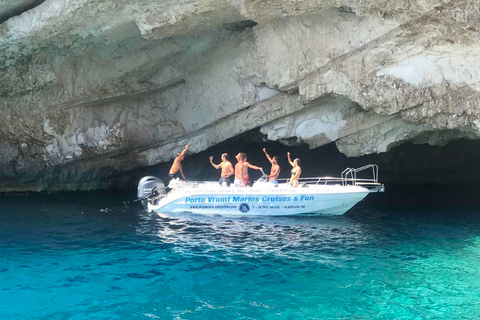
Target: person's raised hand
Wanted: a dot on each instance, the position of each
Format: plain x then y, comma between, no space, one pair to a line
186,147
211,158
264,150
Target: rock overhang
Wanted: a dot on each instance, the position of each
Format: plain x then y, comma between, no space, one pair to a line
93,82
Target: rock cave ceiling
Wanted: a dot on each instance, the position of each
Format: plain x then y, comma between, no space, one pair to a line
92,88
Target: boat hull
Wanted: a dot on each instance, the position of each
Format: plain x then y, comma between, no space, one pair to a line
250,202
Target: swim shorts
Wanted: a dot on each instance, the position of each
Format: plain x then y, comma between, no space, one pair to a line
222,180
238,183
173,176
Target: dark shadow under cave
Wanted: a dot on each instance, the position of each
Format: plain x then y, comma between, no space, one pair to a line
408,164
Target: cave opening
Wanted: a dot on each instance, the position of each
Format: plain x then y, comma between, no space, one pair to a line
453,164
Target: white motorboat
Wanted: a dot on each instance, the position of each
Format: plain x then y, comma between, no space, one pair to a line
314,196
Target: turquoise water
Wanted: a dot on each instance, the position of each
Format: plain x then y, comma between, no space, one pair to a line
401,255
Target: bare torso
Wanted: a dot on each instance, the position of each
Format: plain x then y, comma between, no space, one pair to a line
239,170
177,165
274,172
227,169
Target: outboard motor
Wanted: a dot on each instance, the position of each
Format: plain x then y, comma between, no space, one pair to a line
150,187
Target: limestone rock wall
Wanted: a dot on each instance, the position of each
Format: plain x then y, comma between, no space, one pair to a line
92,89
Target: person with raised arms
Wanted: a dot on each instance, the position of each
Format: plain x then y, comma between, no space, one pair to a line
227,170
275,171
239,172
246,165
177,165
296,171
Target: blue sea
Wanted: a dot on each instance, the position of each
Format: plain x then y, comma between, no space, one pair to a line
410,253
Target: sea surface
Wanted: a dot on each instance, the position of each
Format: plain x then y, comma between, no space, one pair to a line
411,253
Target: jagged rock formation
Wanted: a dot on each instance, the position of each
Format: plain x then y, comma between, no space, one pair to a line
90,89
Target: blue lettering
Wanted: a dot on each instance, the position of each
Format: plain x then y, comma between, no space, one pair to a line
306,198
245,199
275,199
219,200
194,200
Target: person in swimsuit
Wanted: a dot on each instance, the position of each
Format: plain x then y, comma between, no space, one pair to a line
239,172
296,171
177,165
275,171
246,165
227,170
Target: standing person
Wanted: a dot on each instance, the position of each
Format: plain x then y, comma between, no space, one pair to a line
296,171
246,165
239,171
227,170
177,165
275,171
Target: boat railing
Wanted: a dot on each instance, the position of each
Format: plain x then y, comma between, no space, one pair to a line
349,176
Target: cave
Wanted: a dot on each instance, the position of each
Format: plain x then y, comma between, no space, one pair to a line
409,164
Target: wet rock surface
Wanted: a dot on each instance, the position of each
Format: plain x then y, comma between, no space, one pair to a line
91,90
